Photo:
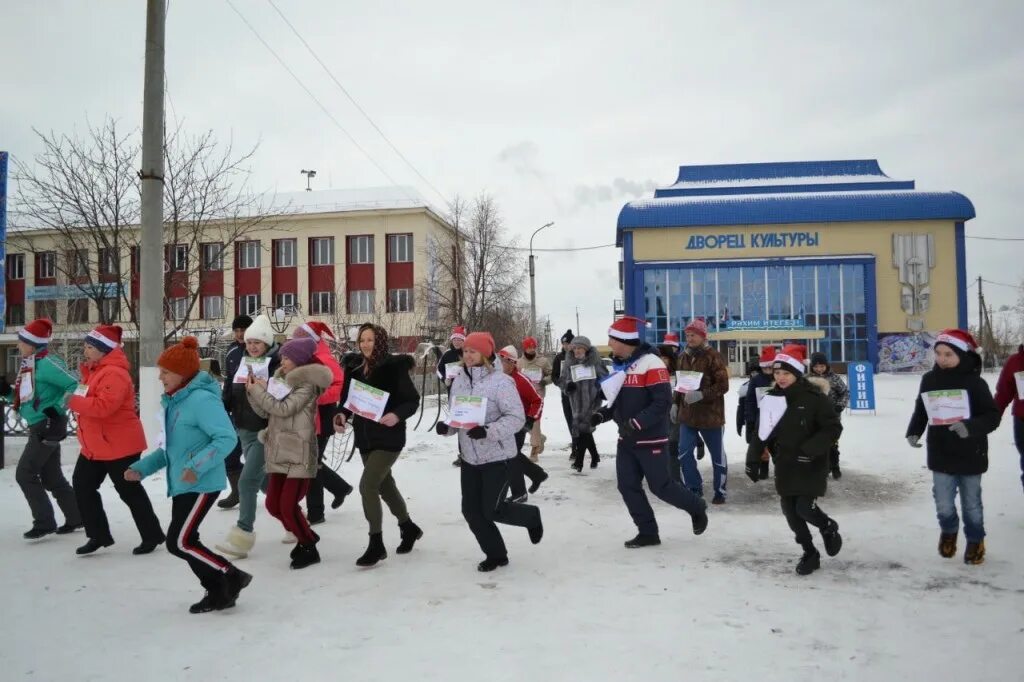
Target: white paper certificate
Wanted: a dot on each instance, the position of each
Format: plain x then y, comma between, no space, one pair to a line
451,370
25,388
277,388
534,374
260,368
688,381
1019,376
467,411
772,409
366,401
612,384
761,392
946,407
583,373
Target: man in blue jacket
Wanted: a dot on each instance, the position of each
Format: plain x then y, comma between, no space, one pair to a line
639,411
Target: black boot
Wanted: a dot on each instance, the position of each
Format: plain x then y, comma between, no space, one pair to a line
297,549
340,499
374,551
305,555
148,546
536,532
69,528
410,534
234,582
93,545
642,540
232,499
700,521
832,539
206,604
37,533
489,564
535,483
595,459
809,562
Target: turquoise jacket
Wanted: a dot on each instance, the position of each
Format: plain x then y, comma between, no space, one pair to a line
52,383
199,436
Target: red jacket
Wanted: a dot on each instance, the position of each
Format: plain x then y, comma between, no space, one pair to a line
108,426
1006,387
332,395
533,404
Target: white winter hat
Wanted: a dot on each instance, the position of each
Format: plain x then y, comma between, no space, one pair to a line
260,330
509,353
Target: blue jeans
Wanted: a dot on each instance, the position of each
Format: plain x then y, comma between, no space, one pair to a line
691,476
944,489
252,480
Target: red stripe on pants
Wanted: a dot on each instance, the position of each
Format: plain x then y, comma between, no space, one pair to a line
283,497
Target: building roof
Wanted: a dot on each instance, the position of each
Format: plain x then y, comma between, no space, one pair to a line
791,192
342,200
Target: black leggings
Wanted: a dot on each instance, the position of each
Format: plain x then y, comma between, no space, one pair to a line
585,443
326,478
801,510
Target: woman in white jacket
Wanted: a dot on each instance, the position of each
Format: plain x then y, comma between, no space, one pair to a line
487,452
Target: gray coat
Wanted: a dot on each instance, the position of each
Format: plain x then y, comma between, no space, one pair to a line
290,436
504,414
586,398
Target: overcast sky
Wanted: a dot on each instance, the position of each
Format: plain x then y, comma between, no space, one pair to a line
561,110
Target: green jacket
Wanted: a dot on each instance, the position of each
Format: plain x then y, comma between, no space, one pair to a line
51,383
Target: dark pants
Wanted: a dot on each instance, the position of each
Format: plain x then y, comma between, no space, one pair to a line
1018,437
833,457
567,411
584,443
634,463
87,479
674,469
484,489
326,478
233,462
522,466
801,510
39,472
283,497
187,512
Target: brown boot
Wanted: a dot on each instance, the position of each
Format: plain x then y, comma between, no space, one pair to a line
232,499
975,553
947,545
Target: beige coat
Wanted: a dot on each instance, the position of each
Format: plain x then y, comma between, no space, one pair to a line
290,436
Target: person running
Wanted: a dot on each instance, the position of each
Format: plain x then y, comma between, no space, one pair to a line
39,395
799,444
380,443
261,361
450,363
1010,389
487,449
111,439
839,394
756,389
639,413
326,477
197,437
957,446
232,361
668,351
581,378
557,366
533,407
702,411
538,370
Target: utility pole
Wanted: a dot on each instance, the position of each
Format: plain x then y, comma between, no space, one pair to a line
981,320
533,296
151,266
578,330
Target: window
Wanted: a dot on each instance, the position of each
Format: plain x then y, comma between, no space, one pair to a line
15,314
321,251
249,304
78,263
47,309
16,266
13,361
360,301
284,300
46,265
179,262
400,300
213,307
213,257
78,311
321,302
110,309
360,250
284,253
399,248
177,308
248,255
108,259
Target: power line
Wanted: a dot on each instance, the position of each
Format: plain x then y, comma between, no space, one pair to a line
315,99
351,99
1000,284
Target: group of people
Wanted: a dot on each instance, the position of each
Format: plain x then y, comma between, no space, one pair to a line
267,428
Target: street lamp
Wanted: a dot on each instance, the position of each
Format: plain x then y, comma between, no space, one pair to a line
533,294
310,174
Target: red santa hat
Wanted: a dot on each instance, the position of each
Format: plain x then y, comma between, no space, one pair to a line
458,333
697,326
767,356
509,353
792,359
958,339
37,332
529,342
316,330
671,339
105,337
627,330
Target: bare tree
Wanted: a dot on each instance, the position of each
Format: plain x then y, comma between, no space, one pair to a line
476,272
344,324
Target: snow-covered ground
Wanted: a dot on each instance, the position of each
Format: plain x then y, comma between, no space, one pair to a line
724,606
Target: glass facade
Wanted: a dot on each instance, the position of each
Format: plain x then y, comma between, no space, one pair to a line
828,297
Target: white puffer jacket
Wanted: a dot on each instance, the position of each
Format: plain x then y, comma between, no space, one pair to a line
504,414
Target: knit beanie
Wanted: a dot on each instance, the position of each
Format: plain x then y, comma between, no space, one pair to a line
698,326
818,358
529,343
582,342
260,330
509,353
241,322
481,342
792,359
182,358
104,338
36,333
568,336
671,339
299,351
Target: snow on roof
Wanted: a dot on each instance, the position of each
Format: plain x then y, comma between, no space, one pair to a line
766,178
339,200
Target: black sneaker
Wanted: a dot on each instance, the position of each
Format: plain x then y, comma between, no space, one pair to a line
340,499
642,540
488,565
205,605
718,499
809,563
69,528
536,533
316,520
535,484
147,546
93,545
832,539
37,533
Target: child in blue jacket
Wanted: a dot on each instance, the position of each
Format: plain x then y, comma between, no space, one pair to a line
198,437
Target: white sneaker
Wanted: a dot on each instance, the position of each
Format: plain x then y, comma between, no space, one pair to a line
237,544
289,538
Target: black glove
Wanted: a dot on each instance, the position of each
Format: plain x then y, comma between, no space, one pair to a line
477,432
570,388
56,427
442,429
529,424
739,428
753,470
596,420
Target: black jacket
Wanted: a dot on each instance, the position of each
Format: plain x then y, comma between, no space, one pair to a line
242,414
556,367
451,355
391,375
947,452
801,442
232,359
749,402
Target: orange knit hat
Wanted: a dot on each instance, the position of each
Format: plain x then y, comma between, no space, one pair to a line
182,358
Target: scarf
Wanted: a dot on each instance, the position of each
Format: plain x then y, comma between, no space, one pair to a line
380,347
28,367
